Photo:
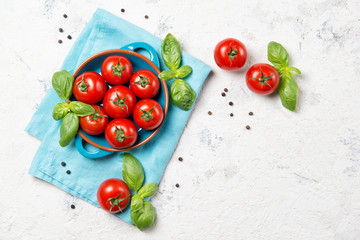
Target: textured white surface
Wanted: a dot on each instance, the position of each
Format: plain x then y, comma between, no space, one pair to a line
292,176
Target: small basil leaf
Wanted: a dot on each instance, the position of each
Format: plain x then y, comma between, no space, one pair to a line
288,91
81,109
277,54
148,190
145,217
171,52
292,71
62,82
136,202
182,95
132,172
167,75
60,110
183,71
68,129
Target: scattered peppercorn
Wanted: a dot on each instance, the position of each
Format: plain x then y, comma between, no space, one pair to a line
60,41
231,114
68,171
209,112
122,10
231,103
223,94
177,185
180,159
69,37
63,164
247,127
251,113
72,206
65,16
146,16
61,30
226,90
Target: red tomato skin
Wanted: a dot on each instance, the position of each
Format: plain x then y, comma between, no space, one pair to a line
157,113
95,91
129,129
150,89
116,111
112,188
94,126
255,86
223,60
107,71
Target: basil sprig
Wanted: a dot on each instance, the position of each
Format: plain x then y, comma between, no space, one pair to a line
142,212
68,111
288,88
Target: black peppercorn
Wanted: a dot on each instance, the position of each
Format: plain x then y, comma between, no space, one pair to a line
146,16
180,159
69,37
60,41
68,171
72,206
247,127
63,164
209,112
226,90
231,114
122,10
231,103
251,113
65,16
61,30
223,94
177,185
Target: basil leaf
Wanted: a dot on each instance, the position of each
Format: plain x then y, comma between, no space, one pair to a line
60,110
145,217
182,95
171,52
277,54
68,129
288,91
292,71
81,109
132,172
136,202
148,190
167,75
62,82
183,71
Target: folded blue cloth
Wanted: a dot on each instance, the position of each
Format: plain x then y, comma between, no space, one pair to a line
105,31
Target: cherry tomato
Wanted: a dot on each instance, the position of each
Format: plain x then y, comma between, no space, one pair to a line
262,78
96,123
144,83
148,114
113,195
121,133
119,102
116,70
89,87
230,54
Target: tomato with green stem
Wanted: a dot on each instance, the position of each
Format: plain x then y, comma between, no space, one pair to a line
262,78
144,83
113,195
230,54
116,69
148,114
121,133
119,102
89,87
96,123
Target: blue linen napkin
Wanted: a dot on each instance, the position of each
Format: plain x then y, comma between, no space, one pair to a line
105,31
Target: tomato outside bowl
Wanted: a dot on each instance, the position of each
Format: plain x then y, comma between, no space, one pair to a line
138,61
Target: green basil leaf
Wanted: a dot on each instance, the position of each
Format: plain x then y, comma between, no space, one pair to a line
292,71
182,95
167,75
81,109
183,71
136,202
145,217
60,110
68,129
171,52
148,190
288,91
62,82
277,54
132,172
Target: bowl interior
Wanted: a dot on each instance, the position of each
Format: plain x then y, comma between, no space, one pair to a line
138,63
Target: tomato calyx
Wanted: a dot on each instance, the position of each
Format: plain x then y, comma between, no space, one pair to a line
82,85
117,69
120,102
232,53
120,135
263,80
146,115
96,116
143,81
116,201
